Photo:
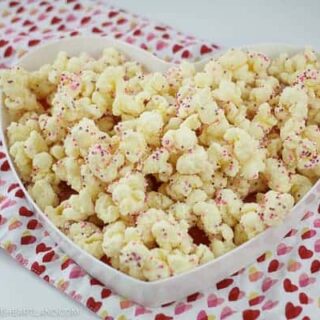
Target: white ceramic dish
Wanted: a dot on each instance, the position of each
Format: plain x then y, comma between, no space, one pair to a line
166,290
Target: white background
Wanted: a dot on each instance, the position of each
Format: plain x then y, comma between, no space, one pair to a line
225,22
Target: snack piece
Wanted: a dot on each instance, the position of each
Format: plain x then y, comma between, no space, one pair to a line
106,209
155,265
275,205
247,152
133,257
179,262
43,194
157,163
79,206
251,220
129,193
182,139
103,164
88,237
113,238
163,172
277,175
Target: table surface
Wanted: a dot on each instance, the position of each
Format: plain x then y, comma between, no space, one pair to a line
226,22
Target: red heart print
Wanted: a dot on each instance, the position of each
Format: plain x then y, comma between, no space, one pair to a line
2,44
12,186
202,315
205,49
50,8
33,42
305,253
122,21
292,311
27,23
61,27
250,314
20,10
41,247
137,32
193,297
261,258
235,294
5,165
186,54
256,300
304,299
24,212
49,256
77,6
162,316
85,20
224,283
19,193
274,265
308,234
13,3
66,264
176,48
315,266
55,20
96,30
105,293
113,14
46,278
33,224
289,286
93,305
160,28
37,268
26,240
94,282
34,28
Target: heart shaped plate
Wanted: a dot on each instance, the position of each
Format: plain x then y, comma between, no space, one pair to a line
167,290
